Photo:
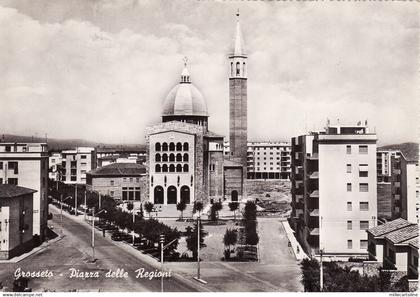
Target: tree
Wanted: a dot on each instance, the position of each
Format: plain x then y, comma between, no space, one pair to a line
198,206
140,213
181,206
252,238
230,238
233,206
214,211
250,211
130,206
148,207
192,239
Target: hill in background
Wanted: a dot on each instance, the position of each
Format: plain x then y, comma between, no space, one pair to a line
410,150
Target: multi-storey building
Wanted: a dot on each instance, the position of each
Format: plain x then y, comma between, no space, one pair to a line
107,156
383,164
266,160
121,181
334,189
54,163
76,163
26,165
16,220
405,185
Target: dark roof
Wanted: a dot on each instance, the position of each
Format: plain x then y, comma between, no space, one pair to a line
414,242
119,169
403,234
388,227
213,135
8,191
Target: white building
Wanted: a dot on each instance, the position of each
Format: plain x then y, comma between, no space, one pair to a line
383,164
76,163
54,162
334,188
266,160
26,165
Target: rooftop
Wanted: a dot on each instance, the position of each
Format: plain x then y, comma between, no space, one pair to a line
8,191
119,169
388,227
403,234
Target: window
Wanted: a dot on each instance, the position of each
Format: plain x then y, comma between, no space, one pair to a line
111,193
179,168
172,168
112,182
364,225
14,166
348,149
349,206
363,187
363,149
171,157
238,68
348,187
364,206
124,179
172,147
349,225
185,167
363,174
185,157
164,146
165,168
12,181
363,244
348,168
157,168
165,158
157,147
83,157
349,244
157,158
83,164
185,146
178,157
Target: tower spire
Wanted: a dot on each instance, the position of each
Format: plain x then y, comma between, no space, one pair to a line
238,49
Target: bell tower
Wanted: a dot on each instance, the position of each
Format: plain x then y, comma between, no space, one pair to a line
238,132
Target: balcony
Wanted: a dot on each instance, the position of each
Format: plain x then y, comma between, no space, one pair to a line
314,194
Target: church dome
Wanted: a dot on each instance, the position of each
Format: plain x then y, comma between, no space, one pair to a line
185,99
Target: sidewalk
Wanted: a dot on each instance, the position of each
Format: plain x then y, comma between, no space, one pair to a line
299,254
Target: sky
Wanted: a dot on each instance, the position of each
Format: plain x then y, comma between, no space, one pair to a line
100,70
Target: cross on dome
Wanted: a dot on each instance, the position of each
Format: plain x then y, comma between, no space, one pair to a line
185,75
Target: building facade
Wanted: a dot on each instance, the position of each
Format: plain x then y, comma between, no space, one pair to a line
383,163
121,181
76,163
26,165
334,167
54,162
405,186
16,221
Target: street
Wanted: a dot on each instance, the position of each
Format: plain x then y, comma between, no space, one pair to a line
73,252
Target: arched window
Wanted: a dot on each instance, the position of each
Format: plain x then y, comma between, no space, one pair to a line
192,179
165,158
157,158
178,157
151,180
157,146
185,157
172,168
171,157
157,168
185,146
238,68
172,195
158,193
231,69
165,168
179,146
164,147
234,195
179,168
171,146
185,194
243,69
185,167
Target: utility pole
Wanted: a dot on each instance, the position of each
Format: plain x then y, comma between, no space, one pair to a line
198,247
75,199
85,206
162,240
93,234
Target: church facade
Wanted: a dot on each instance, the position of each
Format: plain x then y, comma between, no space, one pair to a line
185,160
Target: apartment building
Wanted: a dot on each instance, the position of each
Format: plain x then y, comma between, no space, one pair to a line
26,165
383,164
54,162
76,163
405,185
266,160
16,221
334,189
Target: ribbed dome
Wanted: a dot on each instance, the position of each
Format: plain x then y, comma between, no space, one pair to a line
185,99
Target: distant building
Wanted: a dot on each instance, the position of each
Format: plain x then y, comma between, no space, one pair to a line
76,163
121,181
54,162
405,185
104,161
383,164
106,156
334,189
26,165
395,245
266,160
16,221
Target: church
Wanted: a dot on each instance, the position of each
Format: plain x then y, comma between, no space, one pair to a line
185,160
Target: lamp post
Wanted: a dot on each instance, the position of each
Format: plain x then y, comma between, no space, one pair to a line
61,206
75,199
162,240
198,277
93,231
85,207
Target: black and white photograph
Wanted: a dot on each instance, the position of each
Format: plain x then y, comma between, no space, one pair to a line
209,146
